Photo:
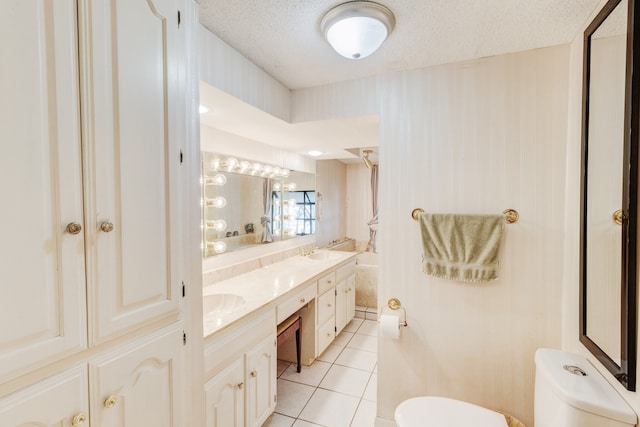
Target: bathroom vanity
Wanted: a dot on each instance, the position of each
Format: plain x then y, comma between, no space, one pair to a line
240,318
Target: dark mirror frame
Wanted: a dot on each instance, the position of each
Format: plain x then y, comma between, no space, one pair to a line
626,372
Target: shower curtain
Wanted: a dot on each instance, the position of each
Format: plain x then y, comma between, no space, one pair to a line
373,224
265,220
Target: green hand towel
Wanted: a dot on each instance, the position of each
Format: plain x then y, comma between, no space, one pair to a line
461,247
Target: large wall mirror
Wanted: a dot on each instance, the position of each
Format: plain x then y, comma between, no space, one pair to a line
608,324
247,203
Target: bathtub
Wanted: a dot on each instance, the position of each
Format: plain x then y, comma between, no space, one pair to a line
367,280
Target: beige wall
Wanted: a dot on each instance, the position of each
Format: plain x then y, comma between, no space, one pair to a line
479,136
331,210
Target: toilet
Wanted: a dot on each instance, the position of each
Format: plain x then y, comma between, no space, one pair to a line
569,392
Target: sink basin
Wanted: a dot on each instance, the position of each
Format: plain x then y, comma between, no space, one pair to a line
221,304
323,255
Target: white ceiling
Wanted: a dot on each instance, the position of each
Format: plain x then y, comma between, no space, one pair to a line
283,38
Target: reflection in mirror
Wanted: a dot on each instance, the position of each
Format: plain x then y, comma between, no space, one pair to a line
247,203
605,272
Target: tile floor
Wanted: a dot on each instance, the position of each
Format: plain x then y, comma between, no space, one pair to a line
338,389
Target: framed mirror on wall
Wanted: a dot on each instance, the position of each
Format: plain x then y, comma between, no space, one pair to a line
608,231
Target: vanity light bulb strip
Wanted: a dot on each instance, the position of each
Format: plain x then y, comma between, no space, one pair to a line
246,167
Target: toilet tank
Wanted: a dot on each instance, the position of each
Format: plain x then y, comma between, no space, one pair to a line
570,392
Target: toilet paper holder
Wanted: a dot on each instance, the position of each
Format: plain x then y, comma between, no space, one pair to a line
394,304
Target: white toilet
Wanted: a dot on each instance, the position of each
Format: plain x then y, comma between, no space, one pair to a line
569,392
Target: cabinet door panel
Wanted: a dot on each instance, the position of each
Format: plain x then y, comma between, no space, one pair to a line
224,397
351,298
261,382
144,379
341,306
132,157
42,265
53,402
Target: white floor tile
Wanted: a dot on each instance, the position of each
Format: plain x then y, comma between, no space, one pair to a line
343,339
369,327
277,420
370,393
302,423
365,415
358,359
292,397
364,342
331,353
329,408
346,380
282,365
353,325
309,375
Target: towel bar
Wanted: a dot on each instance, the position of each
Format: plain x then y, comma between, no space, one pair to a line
511,214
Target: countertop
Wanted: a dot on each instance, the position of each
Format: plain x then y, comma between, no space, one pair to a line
265,286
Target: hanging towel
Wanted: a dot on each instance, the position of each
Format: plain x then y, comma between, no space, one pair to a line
461,247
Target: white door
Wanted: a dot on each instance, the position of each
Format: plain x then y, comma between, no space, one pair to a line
140,384
42,312
261,380
59,401
224,397
132,157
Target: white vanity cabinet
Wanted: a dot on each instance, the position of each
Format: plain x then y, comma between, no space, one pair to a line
240,366
89,116
345,295
139,384
61,400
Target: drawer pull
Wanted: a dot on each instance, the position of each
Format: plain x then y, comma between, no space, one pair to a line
111,401
329,334
79,419
240,386
302,300
329,281
106,226
328,305
254,374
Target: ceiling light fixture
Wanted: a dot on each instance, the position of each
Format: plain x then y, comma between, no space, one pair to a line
315,153
356,29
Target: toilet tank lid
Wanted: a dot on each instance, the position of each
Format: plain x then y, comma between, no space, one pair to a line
591,393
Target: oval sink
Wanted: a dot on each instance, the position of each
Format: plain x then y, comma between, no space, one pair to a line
323,255
221,303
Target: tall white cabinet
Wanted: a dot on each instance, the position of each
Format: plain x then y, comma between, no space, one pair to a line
92,123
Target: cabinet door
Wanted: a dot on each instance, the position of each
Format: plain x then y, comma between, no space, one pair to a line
224,397
351,298
341,306
58,401
132,158
261,380
42,311
140,384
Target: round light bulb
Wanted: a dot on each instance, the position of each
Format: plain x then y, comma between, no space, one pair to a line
291,186
231,163
285,172
219,247
276,186
244,166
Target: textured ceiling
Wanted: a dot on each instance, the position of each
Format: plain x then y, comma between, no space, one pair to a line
284,39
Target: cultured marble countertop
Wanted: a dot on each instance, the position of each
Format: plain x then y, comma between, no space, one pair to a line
265,286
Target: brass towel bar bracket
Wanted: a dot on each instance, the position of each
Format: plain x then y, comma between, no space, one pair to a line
511,214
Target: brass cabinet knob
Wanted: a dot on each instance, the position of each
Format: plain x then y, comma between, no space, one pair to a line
328,305
254,374
617,217
302,300
73,228
111,401
328,334
106,226
79,419
240,386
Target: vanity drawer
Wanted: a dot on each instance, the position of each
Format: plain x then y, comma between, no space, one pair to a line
345,271
326,282
294,303
325,335
326,306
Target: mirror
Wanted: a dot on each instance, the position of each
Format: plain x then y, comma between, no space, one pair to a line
247,203
608,206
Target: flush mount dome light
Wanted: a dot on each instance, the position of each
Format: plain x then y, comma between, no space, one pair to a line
357,29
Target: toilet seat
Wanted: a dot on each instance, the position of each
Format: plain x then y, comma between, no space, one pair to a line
432,411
